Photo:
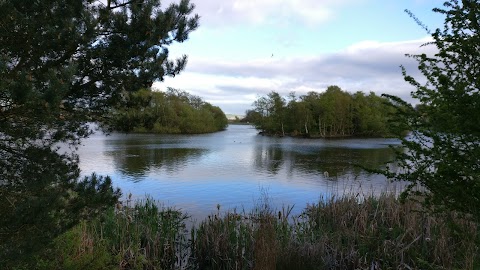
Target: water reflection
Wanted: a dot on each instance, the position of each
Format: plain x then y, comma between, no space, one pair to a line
137,156
231,168
340,161
317,157
268,157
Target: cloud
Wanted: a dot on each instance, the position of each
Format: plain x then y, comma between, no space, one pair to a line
364,66
216,13
262,11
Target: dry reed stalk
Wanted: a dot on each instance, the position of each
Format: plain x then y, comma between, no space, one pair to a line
265,244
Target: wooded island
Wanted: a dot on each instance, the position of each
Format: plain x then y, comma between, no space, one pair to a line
170,112
332,113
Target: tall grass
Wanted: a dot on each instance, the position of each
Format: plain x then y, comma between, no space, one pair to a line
335,233
380,233
140,235
339,233
144,236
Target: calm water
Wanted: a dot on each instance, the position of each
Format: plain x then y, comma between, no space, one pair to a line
234,168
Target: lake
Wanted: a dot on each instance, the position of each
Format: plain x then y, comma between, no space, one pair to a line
235,168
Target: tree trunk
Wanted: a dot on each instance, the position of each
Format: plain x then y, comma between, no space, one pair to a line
320,126
306,127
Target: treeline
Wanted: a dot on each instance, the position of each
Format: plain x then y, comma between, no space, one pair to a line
172,112
333,113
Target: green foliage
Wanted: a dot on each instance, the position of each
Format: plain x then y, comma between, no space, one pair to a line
333,113
350,232
442,157
63,64
143,235
76,250
173,111
223,242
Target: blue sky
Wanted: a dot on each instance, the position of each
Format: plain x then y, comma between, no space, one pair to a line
244,49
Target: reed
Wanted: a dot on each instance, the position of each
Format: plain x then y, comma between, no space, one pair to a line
338,233
375,232
381,233
140,235
144,236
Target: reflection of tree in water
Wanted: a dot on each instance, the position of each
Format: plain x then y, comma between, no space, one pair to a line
345,161
336,161
133,158
268,157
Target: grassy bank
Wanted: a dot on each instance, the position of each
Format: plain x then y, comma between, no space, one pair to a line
379,233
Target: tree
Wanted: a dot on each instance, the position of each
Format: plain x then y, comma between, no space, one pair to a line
313,101
63,64
252,116
262,112
276,105
371,114
337,111
333,113
441,161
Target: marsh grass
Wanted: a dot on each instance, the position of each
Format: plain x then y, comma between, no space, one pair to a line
140,235
375,232
381,233
145,236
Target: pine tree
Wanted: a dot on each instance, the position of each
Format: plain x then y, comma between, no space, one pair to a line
63,64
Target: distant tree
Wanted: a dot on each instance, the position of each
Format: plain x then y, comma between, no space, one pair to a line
441,160
276,106
263,113
63,64
270,113
170,112
219,119
372,114
337,111
300,116
252,116
333,113
312,102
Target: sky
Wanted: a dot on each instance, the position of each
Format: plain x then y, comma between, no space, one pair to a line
244,49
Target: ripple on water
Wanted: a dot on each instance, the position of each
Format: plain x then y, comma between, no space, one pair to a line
233,168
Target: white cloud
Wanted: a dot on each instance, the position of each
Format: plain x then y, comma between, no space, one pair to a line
214,12
365,66
261,11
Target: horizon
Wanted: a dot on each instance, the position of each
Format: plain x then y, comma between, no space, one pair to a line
245,49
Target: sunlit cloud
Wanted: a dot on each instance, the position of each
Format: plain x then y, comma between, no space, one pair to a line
364,66
244,49
216,13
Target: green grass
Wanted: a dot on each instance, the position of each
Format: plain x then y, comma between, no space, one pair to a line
335,233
